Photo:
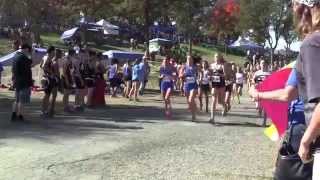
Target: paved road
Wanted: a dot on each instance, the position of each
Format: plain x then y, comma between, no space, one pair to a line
133,141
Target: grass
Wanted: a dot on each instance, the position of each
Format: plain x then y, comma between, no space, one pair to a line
5,47
209,52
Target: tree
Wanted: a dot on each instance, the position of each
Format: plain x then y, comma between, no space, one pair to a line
225,17
262,16
190,16
287,30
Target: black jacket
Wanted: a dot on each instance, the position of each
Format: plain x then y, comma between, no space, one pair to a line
21,71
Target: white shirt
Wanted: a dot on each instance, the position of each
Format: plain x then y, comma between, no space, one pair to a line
239,78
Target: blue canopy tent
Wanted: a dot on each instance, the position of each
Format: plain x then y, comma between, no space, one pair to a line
122,56
37,56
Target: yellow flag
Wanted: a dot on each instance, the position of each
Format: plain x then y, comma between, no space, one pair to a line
272,133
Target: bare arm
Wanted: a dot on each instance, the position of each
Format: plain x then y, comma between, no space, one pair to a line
313,130
287,94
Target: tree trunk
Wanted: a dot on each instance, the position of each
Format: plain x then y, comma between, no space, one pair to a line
147,22
271,58
190,44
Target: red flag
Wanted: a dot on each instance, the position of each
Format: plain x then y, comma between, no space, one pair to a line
277,111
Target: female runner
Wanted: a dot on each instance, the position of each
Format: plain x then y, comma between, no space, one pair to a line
190,85
204,85
168,75
218,86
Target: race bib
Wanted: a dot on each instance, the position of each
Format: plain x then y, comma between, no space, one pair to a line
166,79
190,80
205,81
216,79
239,80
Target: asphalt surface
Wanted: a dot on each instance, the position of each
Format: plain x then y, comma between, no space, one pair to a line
128,140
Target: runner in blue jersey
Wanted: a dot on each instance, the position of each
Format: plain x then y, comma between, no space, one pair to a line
168,74
190,85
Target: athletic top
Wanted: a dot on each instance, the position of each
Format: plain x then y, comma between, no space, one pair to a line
167,73
205,77
127,71
190,73
218,74
135,72
113,71
239,78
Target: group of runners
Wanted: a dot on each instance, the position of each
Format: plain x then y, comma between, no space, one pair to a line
82,73
222,80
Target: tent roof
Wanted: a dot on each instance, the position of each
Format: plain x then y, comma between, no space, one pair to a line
69,33
37,55
123,55
160,40
106,24
245,44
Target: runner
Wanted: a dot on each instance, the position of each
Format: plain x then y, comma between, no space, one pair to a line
239,83
250,75
67,81
230,71
180,69
204,85
260,76
48,80
190,85
167,74
127,74
218,86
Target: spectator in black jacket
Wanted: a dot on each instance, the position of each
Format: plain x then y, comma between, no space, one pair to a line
22,80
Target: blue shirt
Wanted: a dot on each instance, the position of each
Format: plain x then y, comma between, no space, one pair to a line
1,67
135,72
142,71
296,107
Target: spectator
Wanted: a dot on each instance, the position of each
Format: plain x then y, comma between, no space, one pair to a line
67,79
99,98
113,77
22,79
48,80
144,74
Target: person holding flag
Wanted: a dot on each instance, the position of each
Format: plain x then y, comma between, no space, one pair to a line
296,118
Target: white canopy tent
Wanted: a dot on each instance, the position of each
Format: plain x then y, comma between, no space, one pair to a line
69,33
109,29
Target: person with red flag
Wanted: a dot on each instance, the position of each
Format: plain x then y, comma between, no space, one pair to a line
296,118
307,14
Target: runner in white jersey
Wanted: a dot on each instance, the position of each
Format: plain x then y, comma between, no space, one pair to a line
259,77
239,83
204,82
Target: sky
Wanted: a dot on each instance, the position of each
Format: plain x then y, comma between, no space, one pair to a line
282,44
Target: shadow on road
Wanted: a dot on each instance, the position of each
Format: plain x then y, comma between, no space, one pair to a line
108,120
